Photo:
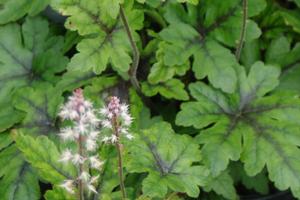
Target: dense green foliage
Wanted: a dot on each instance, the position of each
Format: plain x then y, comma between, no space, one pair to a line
213,87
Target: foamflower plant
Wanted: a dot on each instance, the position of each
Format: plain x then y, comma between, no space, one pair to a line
84,133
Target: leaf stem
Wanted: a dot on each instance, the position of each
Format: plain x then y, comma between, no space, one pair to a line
120,160
80,170
136,53
243,31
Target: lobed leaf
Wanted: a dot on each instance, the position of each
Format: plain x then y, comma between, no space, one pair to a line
43,155
18,180
168,159
172,88
105,41
267,125
34,59
41,106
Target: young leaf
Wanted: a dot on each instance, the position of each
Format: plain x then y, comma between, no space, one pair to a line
168,159
27,56
41,105
18,180
172,88
43,155
161,72
268,126
109,44
58,193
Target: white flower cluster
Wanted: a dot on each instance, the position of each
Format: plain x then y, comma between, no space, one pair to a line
117,118
84,133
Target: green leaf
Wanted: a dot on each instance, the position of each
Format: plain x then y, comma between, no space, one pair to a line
289,80
222,185
43,155
109,178
18,180
161,72
155,3
58,193
267,125
140,113
280,52
28,54
109,43
259,182
172,88
12,10
201,37
291,18
41,106
210,58
73,79
168,159
99,89
8,116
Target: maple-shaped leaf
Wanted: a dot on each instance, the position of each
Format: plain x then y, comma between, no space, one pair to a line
43,155
268,125
172,88
168,159
18,178
160,72
105,39
12,10
40,106
28,54
201,31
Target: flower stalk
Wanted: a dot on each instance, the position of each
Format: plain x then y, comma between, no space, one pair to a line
83,132
118,120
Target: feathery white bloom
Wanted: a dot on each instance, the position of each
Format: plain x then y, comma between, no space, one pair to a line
94,134
104,111
114,139
94,179
85,176
106,124
81,127
91,188
129,136
124,108
91,118
66,156
127,119
95,162
90,144
68,185
88,104
77,159
123,130
106,139
67,134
